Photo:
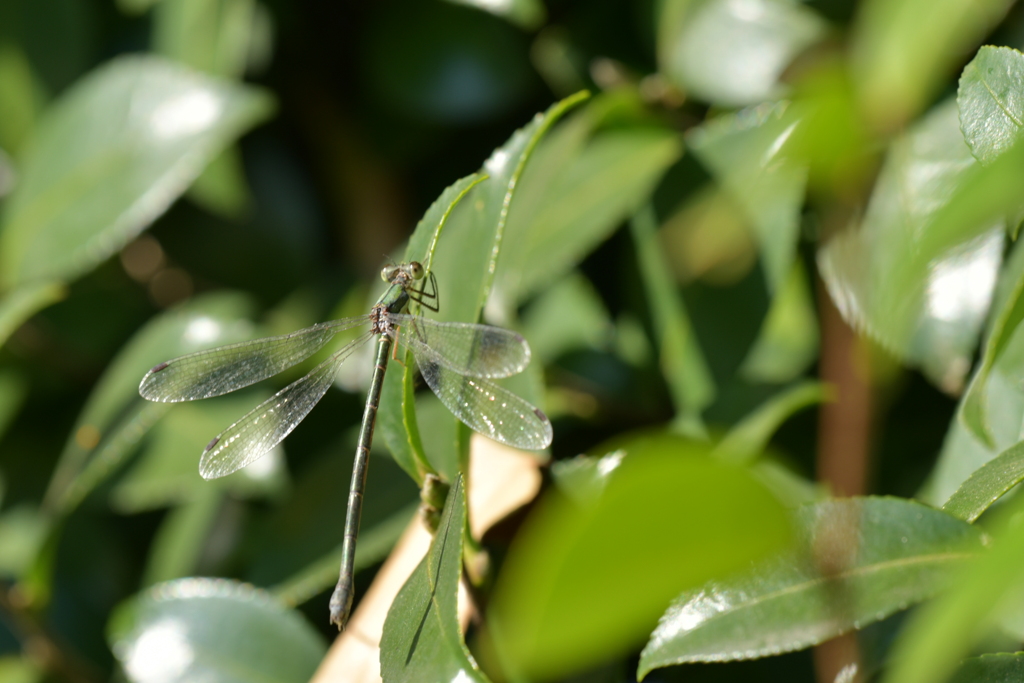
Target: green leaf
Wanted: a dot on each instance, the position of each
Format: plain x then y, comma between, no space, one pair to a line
1000,668
567,315
19,670
179,541
987,484
115,417
213,36
749,437
732,53
940,633
396,414
527,14
748,154
682,362
919,273
991,101
902,51
166,472
788,341
421,639
20,98
859,560
151,128
212,629
23,531
580,188
20,304
465,262
567,599
962,452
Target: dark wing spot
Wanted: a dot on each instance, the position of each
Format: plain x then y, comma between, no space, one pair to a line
213,442
540,414
159,367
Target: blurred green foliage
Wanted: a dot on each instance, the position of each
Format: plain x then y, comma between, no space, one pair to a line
662,196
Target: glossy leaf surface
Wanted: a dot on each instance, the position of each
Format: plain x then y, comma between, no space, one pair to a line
84,193
1000,668
991,101
421,639
859,560
212,629
988,483
732,53
962,452
567,599
914,276
938,635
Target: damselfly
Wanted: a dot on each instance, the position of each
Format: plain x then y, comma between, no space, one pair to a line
455,359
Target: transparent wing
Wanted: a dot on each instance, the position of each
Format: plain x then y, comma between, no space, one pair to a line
487,408
218,371
266,425
468,349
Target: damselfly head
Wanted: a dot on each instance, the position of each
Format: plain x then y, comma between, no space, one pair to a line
403,273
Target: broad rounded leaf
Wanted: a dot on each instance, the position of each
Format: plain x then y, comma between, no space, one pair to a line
568,597
212,630
880,554
991,101
110,156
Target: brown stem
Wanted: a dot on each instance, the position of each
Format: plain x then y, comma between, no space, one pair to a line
844,434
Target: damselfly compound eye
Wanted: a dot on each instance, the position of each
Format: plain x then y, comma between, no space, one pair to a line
416,270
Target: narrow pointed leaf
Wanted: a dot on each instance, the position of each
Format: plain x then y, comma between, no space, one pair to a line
682,360
421,639
899,59
859,560
750,436
396,414
988,484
